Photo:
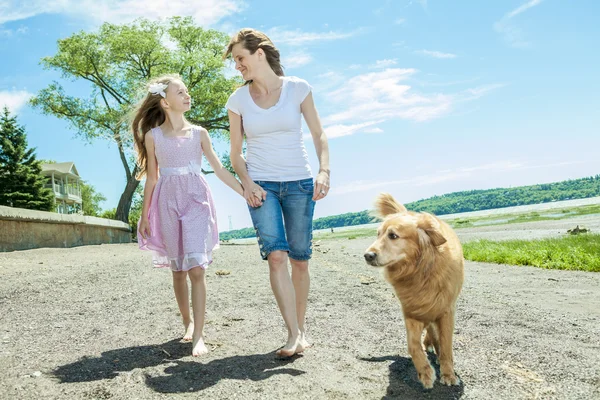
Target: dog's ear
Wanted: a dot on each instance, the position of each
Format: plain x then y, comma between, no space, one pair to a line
429,230
385,205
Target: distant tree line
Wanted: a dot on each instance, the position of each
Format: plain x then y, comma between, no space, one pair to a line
471,200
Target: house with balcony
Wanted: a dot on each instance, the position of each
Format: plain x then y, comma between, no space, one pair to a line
64,180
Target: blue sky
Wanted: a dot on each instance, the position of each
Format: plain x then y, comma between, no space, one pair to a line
418,97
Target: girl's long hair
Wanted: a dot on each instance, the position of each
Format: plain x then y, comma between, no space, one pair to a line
148,114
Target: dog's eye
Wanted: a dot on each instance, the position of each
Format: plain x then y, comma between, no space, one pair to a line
392,236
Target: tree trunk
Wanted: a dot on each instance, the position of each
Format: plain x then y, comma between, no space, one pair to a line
124,205
126,198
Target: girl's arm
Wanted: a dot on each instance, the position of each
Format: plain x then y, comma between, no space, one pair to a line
151,179
311,116
222,173
253,193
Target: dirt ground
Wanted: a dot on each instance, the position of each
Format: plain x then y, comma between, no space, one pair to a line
97,322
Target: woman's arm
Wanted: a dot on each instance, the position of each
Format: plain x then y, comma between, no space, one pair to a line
311,116
253,193
225,176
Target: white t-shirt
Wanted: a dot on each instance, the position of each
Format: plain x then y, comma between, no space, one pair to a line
275,148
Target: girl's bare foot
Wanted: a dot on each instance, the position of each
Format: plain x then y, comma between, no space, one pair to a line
189,331
292,347
199,348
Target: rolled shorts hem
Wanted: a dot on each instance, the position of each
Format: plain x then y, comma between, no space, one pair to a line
300,257
265,251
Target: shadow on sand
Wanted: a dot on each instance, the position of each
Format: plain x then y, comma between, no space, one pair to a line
185,376
404,383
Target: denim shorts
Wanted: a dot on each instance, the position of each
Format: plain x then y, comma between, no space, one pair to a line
284,220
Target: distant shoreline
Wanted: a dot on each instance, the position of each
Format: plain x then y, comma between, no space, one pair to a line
470,214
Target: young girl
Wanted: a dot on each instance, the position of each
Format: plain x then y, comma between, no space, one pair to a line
178,215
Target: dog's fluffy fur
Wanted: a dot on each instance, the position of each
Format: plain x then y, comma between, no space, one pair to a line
423,260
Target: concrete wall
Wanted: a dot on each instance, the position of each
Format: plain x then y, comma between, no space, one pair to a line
22,229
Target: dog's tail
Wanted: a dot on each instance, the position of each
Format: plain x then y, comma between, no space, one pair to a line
385,204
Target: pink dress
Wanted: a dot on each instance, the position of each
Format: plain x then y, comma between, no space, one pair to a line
182,216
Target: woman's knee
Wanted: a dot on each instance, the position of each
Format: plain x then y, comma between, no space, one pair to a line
299,266
277,259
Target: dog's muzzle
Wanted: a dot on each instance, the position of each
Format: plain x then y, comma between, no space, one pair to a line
370,257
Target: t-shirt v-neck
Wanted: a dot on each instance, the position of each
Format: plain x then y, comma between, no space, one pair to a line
279,100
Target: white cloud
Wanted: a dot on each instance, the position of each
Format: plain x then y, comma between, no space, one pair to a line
399,21
11,32
384,95
436,54
448,83
379,64
14,100
328,81
299,38
387,95
373,130
296,60
205,12
523,8
512,34
479,91
384,63
423,3
335,131
328,74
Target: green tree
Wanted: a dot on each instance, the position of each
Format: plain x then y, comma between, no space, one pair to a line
109,214
90,199
116,62
21,183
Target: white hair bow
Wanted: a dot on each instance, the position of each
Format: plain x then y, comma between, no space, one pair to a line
158,88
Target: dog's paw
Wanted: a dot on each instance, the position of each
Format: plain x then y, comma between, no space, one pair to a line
450,379
427,377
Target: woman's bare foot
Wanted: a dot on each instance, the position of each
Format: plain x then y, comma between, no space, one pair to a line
189,331
199,348
292,347
303,344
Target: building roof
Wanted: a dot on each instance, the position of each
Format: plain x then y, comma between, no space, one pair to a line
63,168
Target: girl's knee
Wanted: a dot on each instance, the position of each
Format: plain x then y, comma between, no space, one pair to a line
179,275
196,274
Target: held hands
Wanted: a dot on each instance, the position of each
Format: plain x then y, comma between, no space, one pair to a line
254,195
321,185
144,228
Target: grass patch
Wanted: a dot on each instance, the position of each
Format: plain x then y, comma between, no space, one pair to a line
546,215
580,252
348,234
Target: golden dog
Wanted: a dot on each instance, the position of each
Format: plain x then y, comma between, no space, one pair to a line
423,261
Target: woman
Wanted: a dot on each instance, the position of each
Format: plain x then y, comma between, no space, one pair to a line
276,175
